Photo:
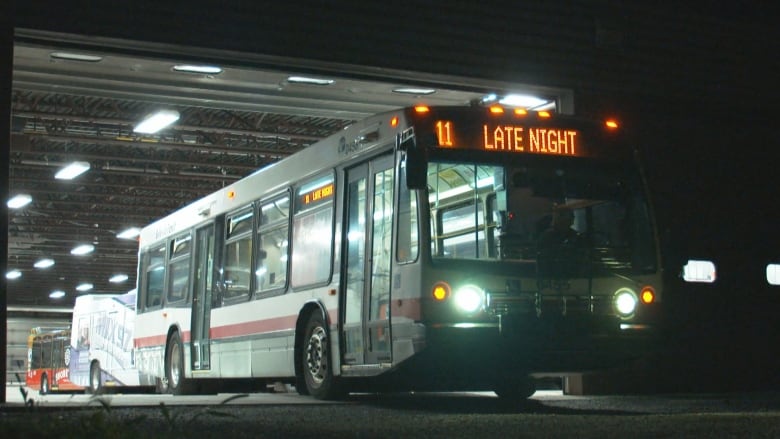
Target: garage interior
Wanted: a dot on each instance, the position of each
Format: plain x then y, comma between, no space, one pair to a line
77,102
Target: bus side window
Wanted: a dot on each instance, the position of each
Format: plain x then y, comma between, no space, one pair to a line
273,244
179,268
237,255
312,228
153,271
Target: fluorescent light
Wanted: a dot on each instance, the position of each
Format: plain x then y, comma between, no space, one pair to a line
13,274
130,233
524,101
19,201
157,121
72,171
85,287
44,263
309,80
76,56
205,69
414,91
489,98
57,294
118,278
83,249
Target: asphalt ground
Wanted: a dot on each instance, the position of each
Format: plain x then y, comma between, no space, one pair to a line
480,415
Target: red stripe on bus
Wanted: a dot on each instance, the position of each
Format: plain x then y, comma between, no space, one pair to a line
255,327
234,330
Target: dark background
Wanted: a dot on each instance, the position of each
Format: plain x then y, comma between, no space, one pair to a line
694,84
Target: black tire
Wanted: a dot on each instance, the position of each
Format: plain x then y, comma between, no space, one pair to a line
174,366
45,384
315,361
95,378
515,389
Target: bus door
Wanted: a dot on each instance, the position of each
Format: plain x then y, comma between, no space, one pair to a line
366,265
201,298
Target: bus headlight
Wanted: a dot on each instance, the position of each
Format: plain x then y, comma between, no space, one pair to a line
469,298
625,302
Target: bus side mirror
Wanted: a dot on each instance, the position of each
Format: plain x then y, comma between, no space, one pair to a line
416,170
416,163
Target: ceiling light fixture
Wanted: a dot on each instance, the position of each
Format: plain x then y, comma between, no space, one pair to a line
157,121
57,294
524,101
118,278
204,69
76,56
13,274
309,80
19,201
414,91
44,263
130,233
72,171
83,249
85,287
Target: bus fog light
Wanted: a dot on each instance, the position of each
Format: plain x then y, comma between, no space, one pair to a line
625,302
469,298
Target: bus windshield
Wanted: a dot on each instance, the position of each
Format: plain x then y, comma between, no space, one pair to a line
507,212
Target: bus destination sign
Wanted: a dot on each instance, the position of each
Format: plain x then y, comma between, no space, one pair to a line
511,138
316,195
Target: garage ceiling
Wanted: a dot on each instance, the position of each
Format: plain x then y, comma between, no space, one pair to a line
248,116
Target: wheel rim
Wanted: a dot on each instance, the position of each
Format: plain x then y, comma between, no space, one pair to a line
316,355
175,365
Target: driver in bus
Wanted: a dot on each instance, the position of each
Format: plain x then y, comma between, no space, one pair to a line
558,252
561,232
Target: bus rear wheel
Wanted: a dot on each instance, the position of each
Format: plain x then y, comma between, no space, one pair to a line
95,384
316,361
44,384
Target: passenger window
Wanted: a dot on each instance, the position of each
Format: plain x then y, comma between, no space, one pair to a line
313,232
179,269
154,264
273,244
238,255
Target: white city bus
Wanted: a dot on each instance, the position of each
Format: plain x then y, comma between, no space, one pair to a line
101,347
403,253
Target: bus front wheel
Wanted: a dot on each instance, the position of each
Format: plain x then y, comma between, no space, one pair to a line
174,366
515,389
316,360
95,383
44,384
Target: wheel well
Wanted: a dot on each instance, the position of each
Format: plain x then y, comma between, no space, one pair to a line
300,328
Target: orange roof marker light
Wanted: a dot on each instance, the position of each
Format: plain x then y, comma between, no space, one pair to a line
544,114
495,109
394,121
231,194
521,112
421,108
611,124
